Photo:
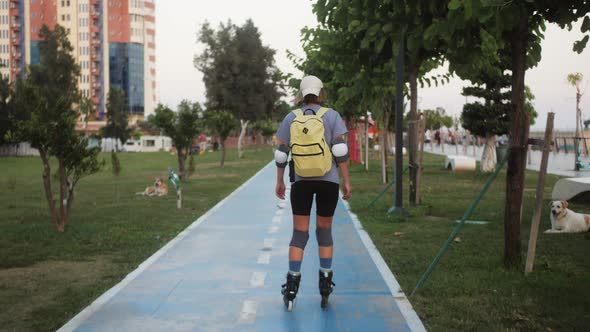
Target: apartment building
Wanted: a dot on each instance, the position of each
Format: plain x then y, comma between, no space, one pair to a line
113,41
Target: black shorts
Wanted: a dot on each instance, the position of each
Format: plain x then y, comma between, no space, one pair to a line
326,197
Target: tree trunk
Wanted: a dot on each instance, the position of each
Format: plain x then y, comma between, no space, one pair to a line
63,192
366,141
360,143
222,153
47,185
385,135
519,131
488,156
577,141
181,160
421,131
70,199
244,125
412,139
383,156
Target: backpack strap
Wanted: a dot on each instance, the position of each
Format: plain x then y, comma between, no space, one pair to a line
322,111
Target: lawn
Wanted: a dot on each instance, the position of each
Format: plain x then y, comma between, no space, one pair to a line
470,289
47,277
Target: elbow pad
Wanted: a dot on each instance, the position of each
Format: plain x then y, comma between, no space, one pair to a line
340,150
281,155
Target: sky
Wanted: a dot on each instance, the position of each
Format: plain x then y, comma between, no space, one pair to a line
280,23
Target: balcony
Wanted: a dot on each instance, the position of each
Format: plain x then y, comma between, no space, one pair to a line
15,41
15,26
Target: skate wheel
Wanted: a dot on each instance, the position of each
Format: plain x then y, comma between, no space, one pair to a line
290,305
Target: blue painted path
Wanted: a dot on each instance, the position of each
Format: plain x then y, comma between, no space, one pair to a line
224,273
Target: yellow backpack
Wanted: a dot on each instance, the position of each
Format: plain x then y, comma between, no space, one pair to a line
310,152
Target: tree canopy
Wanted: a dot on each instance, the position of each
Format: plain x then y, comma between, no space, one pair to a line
45,102
117,116
182,127
238,71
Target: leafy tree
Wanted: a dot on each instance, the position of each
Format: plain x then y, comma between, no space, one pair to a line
239,73
485,26
45,102
437,118
87,110
182,127
266,128
117,117
222,124
492,84
376,28
281,109
148,128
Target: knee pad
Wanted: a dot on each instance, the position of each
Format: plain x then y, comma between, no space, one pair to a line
299,239
324,237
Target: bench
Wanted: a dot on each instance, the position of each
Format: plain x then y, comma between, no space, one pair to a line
460,163
565,189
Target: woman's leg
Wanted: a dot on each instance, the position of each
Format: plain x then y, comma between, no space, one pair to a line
298,241
326,249
301,201
326,201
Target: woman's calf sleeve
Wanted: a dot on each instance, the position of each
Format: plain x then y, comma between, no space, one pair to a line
299,239
324,236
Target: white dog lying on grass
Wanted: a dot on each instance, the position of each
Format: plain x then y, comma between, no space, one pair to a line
564,220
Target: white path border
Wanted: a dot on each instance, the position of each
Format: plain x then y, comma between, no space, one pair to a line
399,296
75,322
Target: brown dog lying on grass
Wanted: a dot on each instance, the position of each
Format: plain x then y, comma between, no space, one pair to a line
158,189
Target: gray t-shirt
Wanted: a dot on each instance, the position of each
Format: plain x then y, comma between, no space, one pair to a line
333,126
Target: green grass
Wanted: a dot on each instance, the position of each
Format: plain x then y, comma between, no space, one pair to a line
47,277
470,289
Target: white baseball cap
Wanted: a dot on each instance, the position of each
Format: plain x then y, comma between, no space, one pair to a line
310,85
